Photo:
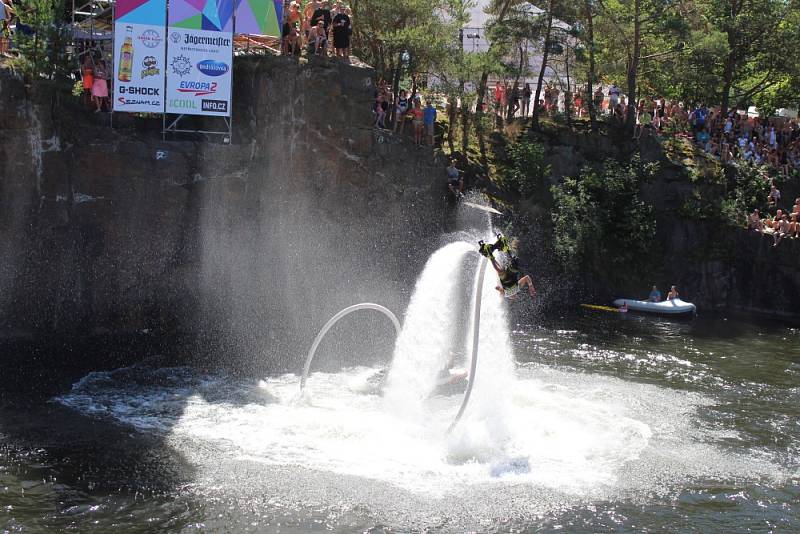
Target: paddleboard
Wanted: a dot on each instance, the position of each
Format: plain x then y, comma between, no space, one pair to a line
600,308
483,208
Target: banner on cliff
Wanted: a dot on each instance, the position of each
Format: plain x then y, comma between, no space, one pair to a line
200,57
139,45
259,17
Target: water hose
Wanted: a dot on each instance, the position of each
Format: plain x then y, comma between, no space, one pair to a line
476,326
333,320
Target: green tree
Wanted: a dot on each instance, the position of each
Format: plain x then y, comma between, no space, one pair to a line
42,52
426,29
636,32
760,35
600,223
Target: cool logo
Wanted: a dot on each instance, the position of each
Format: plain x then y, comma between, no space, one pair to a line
181,103
210,67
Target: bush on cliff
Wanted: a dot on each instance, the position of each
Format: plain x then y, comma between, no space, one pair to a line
601,226
528,169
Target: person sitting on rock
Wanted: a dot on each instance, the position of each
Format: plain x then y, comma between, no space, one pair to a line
455,182
754,222
794,225
781,231
774,196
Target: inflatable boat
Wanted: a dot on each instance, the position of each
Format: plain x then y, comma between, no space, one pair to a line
665,307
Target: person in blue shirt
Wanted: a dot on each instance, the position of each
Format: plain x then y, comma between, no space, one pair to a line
655,295
429,118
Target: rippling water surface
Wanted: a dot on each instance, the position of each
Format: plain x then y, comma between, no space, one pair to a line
607,423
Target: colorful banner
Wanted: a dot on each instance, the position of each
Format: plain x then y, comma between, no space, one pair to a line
259,17
139,45
200,57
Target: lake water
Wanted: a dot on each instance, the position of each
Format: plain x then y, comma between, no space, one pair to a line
603,422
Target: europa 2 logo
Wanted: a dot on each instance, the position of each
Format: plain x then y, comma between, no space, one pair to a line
198,88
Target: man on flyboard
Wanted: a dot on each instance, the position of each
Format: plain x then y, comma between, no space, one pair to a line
511,278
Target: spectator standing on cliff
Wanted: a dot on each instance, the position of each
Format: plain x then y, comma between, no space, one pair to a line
322,13
308,12
293,19
400,110
429,118
100,86
417,120
499,97
526,99
598,99
613,98
513,101
87,76
341,34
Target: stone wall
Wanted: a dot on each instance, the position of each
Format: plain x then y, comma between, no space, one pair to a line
253,244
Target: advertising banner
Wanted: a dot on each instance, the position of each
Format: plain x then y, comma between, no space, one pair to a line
200,57
139,45
259,17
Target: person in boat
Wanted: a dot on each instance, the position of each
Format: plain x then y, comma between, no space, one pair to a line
655,295
623,308
673,293
512,281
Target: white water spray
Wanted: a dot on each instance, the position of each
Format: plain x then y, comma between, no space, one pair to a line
423,346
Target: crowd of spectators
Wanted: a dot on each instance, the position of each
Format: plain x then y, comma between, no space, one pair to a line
734,137
319,27
404,106
782,225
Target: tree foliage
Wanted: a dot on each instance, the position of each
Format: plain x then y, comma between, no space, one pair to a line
600,223
528,169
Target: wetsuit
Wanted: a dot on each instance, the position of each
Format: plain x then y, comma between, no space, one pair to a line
509,279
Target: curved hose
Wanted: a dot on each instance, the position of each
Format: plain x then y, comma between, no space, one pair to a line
476,326
333,321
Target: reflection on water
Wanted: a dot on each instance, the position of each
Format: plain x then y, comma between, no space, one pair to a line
613,423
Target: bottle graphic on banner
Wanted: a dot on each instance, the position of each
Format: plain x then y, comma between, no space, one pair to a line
126,56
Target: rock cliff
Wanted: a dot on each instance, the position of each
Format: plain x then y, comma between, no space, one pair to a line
251,245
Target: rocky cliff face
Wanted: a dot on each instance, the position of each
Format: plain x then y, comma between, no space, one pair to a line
252,244
718,267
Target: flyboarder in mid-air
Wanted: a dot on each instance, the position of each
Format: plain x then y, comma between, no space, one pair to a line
511,278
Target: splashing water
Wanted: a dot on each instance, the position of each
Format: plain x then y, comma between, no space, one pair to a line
425,341
529,431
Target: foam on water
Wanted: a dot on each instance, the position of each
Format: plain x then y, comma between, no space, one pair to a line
578,434
527,430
